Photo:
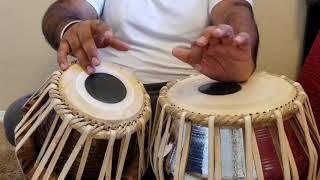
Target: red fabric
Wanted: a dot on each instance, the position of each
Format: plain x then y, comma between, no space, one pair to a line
310,78
270,159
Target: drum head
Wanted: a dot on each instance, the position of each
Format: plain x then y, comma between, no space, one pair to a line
110,95
261,93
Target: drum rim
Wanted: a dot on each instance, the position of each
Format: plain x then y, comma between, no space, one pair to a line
258,119
64,110
135,95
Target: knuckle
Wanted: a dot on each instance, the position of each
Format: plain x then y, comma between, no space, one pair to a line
102,26
101,23
83,31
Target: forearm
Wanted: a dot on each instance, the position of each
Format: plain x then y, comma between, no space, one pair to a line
239,15
60,14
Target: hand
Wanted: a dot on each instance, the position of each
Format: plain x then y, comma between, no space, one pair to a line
220,54
82,40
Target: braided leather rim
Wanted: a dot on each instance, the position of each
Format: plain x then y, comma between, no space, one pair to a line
63,108
258,118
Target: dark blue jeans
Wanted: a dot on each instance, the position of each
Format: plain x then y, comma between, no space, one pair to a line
12,117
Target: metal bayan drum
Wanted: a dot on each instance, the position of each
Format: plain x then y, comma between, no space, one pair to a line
94,118
260,129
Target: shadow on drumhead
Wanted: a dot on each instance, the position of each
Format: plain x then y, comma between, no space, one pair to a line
220,88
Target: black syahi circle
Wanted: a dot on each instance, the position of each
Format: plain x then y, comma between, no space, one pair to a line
106,88
220,88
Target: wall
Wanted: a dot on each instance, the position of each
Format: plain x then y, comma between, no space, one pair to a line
26,59
281,25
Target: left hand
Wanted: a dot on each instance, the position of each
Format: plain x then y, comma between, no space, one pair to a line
220,54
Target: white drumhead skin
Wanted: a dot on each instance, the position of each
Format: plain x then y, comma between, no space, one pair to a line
72,88
262,92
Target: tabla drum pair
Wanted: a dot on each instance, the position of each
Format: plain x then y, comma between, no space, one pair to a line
81,127
76,129
263,128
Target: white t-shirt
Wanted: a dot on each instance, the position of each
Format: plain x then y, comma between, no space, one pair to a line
152,28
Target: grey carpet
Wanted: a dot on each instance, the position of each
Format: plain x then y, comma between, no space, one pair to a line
9,168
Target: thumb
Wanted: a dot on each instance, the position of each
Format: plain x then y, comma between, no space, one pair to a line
182,54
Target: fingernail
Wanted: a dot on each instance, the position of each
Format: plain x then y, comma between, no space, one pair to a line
63,66
95,61
197,67
202,40
108,34
218,32
90,70
239,39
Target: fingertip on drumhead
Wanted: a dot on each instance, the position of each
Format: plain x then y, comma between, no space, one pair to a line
95,61
90,70
63,66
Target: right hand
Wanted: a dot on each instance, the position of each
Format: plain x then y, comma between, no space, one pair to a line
82,40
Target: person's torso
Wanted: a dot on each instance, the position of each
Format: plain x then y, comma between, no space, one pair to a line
152,28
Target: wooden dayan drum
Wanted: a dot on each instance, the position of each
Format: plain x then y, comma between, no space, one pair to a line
94,119
279,138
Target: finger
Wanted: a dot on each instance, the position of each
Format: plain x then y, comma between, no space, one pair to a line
115,43
202,41
80,54
219,31
207,40
225,31
99,27
208,37
182,54
62,55
99,40
84,62
227,41
195,54
101,30
242,41
216,34
209,34
88,45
